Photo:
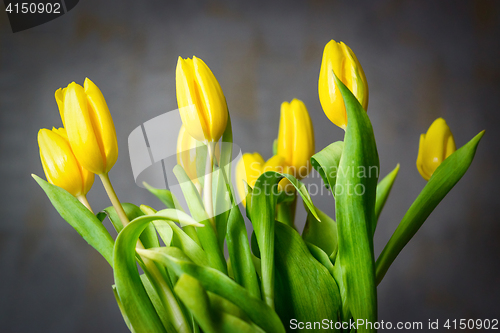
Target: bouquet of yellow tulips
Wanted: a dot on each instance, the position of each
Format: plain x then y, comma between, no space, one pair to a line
274,278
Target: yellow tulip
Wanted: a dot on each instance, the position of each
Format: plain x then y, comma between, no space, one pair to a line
186,153
248,169
201,103
296,138
60,165
338,58
435,147
90,128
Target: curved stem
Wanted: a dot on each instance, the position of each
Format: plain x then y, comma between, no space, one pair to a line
83,199
114,198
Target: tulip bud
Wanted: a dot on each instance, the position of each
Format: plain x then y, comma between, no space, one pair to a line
296,138
90,128
202,104
435,147
60,165
248,169
338,58
278,163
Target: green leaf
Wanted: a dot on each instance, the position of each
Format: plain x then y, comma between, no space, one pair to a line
194,296
262,213
383,190
131,291
122,310
187,245
216,282
80,218
165,196
326,162
305,290
239,253
148,237
158,305
207,235
355,190
135,301
322,234
321,256
442,181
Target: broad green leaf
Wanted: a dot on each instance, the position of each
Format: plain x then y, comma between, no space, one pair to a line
80,218
383,190
326,162
441,182
207,235
239,253
122,310
155,300
355,193
187,245
322,234
218,283
131,291
321,256
285,211
263,205
148,237
305,290
262,214
165,196
135,301
221,304
194,296
170,201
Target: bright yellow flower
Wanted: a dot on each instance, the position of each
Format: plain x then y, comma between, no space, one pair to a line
248,169
60,164
296,138
435,147
88,123
201,103
338,58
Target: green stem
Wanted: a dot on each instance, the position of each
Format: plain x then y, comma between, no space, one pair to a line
285,212
207,186
83,199
114,198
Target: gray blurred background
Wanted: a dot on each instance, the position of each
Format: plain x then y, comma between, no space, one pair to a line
423,60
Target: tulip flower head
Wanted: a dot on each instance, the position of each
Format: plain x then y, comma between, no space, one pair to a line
435,146
60,165
201,103
248,169
296,138
89,126
339,59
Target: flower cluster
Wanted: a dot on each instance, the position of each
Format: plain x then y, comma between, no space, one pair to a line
327,270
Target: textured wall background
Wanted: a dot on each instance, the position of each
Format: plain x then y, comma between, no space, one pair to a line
422,59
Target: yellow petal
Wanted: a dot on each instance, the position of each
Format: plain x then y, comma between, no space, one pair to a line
188,101
339,59
59,94
296,137
212,99
248,169
435,147
80,130
104,128
59,164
